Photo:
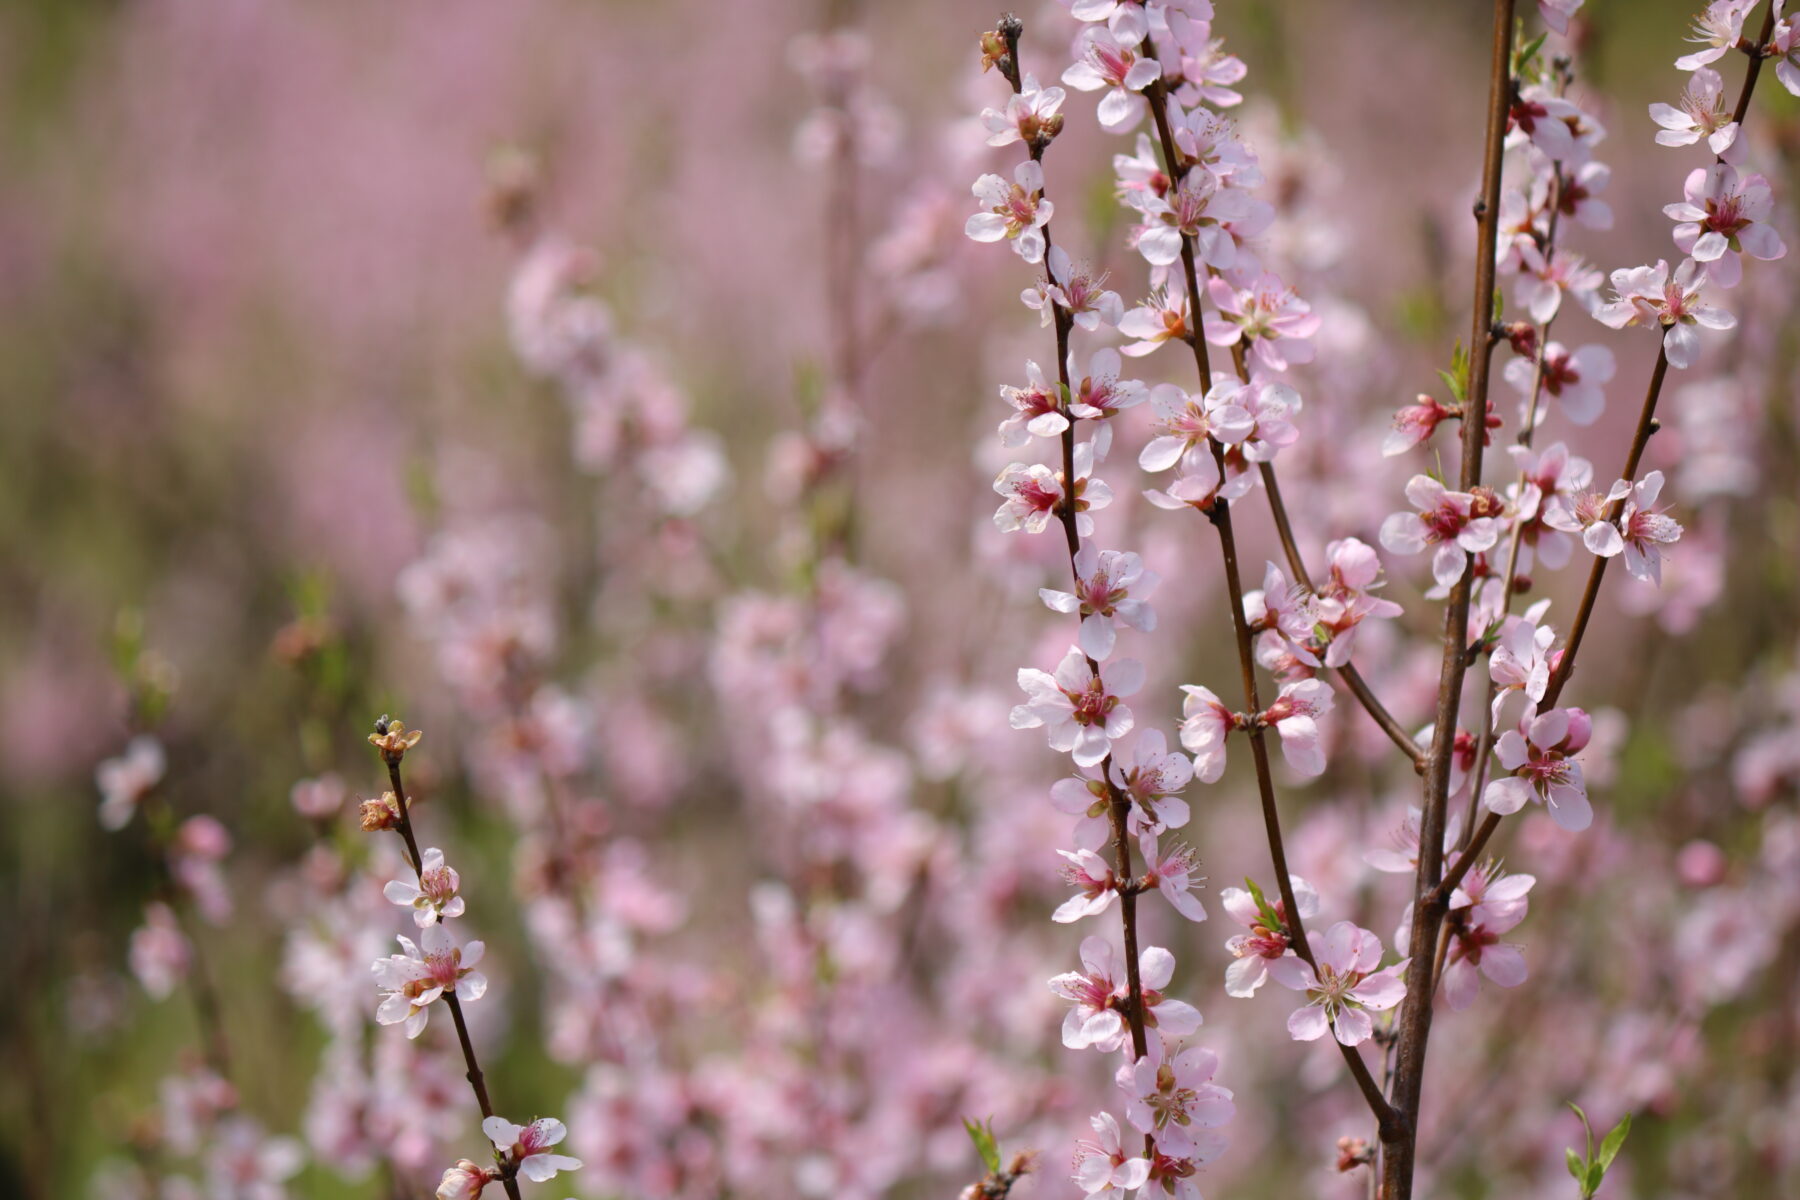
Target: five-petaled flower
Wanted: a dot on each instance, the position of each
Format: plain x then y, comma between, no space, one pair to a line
1269,937
1175,1100
1704,113
1110,586
1723,216
1111,61
1080,707
1540,754
432,896
1101,996
527,1147
1457,523
1345,988
1017,211
428,969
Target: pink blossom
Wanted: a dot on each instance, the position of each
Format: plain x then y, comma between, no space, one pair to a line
1574,379
1110,590
1345,988
1556,13
159,953
1086,797
126,780
1547,121
1201,207
527,1147
1185,422
1578,197
1346,597
1704,112
1096,887
1100,393
1540,756
1037,409
244,1163
1717,31
1490,905
1034,495
1201,483
1099,991
1162,317
1543,278
319,799
464,1181
1174,1099
1554,480
1111,61
1269,937
1265,313
1449,520
1294,716
1204,726
1723,217
1080,707
1206,70
411,981
1170,871
1030,116
432,896
1784,46
1413,424
1269,404
1404,859
1639,530
1078,290
1017,211
1521,661
1150,779
1103,1168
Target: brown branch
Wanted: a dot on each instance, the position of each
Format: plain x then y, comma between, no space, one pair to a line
477,1081
1415,1015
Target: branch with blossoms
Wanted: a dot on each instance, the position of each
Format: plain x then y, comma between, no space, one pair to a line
1200,229
1118,1006
438,967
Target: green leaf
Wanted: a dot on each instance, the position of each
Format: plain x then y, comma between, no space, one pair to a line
1589,1129
1270,918
1457,377
1614,1142
1578,1169
982,1134
1595,1174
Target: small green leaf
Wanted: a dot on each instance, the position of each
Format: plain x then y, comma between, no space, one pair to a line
982,1134
1589,1129
1578,1169
1614,1142
1266,911
1595,1173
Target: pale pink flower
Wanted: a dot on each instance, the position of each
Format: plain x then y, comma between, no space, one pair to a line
1037,409
1204,727
1017,211
244,1163
1200,483
1404,858
1547,121
1207,72
1556,13
1171,872
1270,404
1575,380
200,845
1186,422
1201,207
1554,482
1264,312
428,969
1110,590
1542,280
1723,217
1445,519
1269,937
1280,605
1162,317
1717,30
124,781
159,953
1029,116
1080,708
1100,392
1086,798
1096,887
1103,1168
1579,196
432,896
1345,989
1099,991
1522,660
1540,755
318,799
1639,531
527,1147
1294,716
1174,1099
1150,779
1704,112
1078,290
1347,597
1413,424
1784,46
1111,61
1034,495
464,1181
1490,904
